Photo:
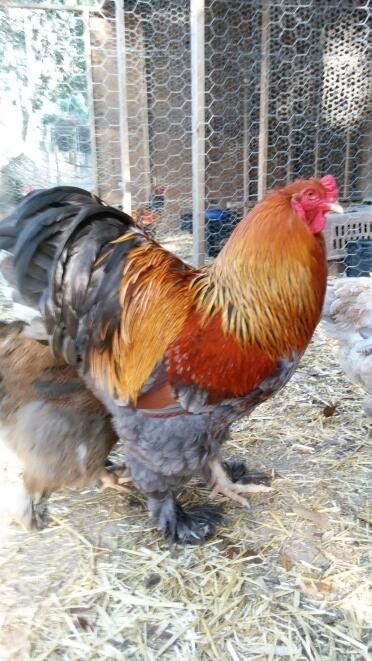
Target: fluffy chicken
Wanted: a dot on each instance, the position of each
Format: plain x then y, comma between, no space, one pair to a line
175,353
56,427
347,316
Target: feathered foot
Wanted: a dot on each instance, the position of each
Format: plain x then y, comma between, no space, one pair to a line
232,479
191,525
115,476
30,510
237,471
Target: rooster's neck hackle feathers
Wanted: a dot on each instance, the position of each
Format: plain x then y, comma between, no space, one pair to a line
268,282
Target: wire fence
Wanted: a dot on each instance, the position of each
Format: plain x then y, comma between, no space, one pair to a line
185,113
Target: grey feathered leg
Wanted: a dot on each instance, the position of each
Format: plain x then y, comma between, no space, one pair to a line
191,525
30,509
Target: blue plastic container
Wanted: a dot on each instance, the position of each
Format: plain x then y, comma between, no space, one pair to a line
219,223
217,214
218,227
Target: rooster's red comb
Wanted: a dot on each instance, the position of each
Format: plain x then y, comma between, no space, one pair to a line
329,183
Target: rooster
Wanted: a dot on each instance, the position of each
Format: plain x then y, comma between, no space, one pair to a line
347,317
55,426
175,353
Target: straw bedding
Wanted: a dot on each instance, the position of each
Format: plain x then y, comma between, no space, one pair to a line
289,578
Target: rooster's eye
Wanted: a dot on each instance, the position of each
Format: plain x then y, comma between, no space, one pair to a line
311,195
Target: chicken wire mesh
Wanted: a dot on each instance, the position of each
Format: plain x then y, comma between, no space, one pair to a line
99,94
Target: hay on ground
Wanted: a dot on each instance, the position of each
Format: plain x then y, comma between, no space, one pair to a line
289,578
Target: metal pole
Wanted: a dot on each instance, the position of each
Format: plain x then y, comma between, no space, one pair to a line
123,110
198,130
290,126
366,165
92,124
245,149
346,185
94,9
317,139
264,100
61,8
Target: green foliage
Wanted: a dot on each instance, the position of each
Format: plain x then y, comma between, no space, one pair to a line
42,58
14,183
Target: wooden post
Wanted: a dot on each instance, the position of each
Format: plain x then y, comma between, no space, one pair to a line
198,129
123,110
264,100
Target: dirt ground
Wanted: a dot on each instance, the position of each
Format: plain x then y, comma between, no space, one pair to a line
288,579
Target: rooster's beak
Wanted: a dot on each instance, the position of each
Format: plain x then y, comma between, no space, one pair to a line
335,207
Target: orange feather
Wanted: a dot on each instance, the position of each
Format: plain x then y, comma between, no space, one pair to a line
223,327
206,356
154,307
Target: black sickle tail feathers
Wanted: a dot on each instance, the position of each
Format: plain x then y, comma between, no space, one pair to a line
55,237
32,233
33,204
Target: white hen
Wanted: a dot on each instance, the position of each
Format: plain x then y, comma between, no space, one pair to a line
347,316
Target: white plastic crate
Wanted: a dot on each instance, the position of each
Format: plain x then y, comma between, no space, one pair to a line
353,225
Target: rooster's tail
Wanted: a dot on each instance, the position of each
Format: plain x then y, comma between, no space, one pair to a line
53,239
